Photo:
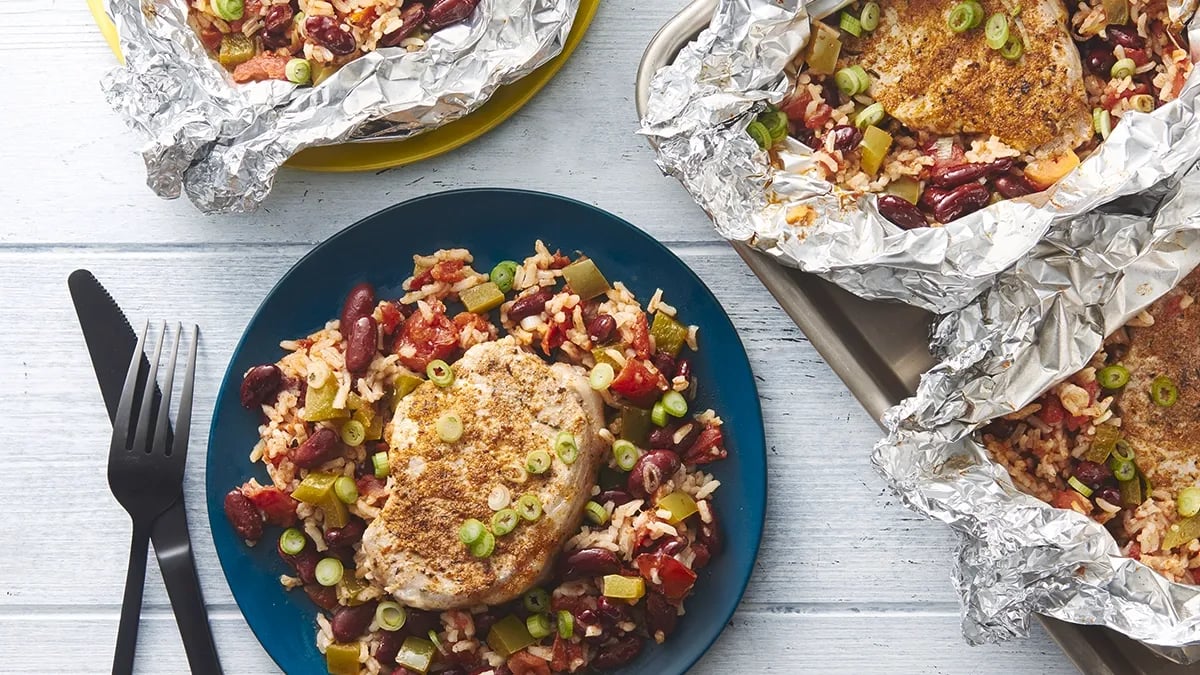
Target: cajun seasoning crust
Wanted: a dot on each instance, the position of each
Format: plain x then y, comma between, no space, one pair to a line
1166,440
510,403
937,81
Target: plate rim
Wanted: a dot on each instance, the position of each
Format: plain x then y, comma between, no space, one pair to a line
759,429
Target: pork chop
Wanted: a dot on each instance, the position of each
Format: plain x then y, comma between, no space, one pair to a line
510,403
937,81
1166,439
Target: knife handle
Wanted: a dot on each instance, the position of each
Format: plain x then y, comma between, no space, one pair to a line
131,605
174,550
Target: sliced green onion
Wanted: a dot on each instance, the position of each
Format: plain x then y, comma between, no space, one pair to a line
965,16
870,116
776,122
437,642
996,31
298,71
869,18
536,600
601,376
390,616
658,414
529,506
1122,469
1142,103
1187,502
1123,450
566,624
503,275
1102,122
292,541
761,135
675,404
1079,487
596,513
1114,376
379,460
329,571
353,433
1013,49
1163,392
345,489
483,547
229,10
440,373
852,80
626,454
504,521
449,428
1123,68
565,447
537,462
538,626
470,531
850,23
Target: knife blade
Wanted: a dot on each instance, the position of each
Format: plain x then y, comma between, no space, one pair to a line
110,343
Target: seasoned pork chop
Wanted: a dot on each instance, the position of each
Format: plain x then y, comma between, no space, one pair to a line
511,403
1166,440
941,82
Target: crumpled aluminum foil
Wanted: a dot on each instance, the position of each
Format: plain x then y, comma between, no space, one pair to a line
222,142
1039,323
699,108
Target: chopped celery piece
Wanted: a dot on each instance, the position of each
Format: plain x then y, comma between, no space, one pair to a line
635,425
623,588
482,298
342,659
669,335
509,636
416,654
823,50
236,49
906,188
318,403
875,145
585,279
1103,443
850,23
1181,533
680,504
317,489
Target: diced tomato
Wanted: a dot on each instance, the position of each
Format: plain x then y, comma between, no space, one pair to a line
524,663
709,447
1135,551
559,261
1077,422
391,317
637,384
1052,411
448,271
1092,388
1070,499
1139,56
277,505
369,485
265,66
419,280
568,656
675,580
464,320
427,339
641,337
211,37
1111,96
819,117
555,336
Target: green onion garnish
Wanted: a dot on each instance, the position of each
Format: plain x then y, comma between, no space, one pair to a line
658,414
965,16
675,404
536,600
852,81
1122,469
390,616
565,447
869,18
470,531
870,116
353,433
566,624
504,521
1124,68
596,513
1142,102
329,571
1187,502
626,454
298,71
1013,49
537,462
758,131
503,274
449,428
345,489
601,376
1114,376
1123,450
850,23
1163,392
292,541
996,31
440,373
379,460
529,507
538,626
1079,487
484,546
776,122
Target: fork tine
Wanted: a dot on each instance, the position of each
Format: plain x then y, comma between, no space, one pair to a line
125,407
143,423
160,430
184,422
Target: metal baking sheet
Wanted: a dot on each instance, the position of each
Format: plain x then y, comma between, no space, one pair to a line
880,350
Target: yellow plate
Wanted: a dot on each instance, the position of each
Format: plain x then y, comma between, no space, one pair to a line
374,156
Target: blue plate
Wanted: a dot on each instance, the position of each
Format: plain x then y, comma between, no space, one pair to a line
495,225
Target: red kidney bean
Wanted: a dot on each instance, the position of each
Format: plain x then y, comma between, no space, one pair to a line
617,497
679,437
591,562
359,302
830,92
348,535
321,447
1092,474
325,31
243,515
901,212
412,16
529,304
277,25
389,647
304,563
348,623
1100,60
625,649
671,546
661,615
419,622
651,470
587,617
1011,186
484,622
709,534
683,368
961,174
324,597
962,200
259,385
362,338
601,328
665,364
702,555
1109,494
448,12
613,612
1125,36
846,137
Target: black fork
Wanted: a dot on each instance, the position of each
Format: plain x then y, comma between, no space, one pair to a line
145,472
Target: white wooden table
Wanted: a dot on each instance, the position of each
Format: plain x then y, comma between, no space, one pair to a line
847,582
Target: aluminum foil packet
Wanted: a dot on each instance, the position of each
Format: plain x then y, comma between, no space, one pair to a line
222,142
701,104
1039,323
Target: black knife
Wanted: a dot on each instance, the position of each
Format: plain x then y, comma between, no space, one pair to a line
110,342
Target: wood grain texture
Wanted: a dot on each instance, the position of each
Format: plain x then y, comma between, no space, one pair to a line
847,581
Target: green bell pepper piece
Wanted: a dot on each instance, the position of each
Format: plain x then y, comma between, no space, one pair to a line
1103,443
669,335
342,659
509,636
236,49
483,298
680,504
416,654
1181,533
585,279
318,403
317,489
635,425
